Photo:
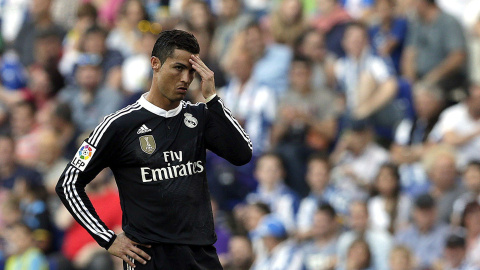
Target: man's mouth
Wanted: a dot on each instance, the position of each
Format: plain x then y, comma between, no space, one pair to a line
182,89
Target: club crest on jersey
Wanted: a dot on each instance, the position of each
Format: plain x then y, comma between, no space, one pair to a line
190,121
147,143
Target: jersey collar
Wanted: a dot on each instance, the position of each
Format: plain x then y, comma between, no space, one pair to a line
157,110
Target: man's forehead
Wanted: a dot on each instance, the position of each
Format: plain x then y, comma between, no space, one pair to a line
180,55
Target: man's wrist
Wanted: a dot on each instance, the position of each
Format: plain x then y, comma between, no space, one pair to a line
109,244
207,99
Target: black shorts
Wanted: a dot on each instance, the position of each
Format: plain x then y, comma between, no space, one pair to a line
178,257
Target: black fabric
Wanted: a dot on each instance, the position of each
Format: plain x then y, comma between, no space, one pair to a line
179,257
164,193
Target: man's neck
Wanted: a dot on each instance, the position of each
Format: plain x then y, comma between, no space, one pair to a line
161,101
431,15
324,240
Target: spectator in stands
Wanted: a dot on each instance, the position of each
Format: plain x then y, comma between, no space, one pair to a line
401,259
25,255
306,122
439,164
10,170
425,237
411,138
321,191
249,217
388,35
459,126
389,209
26,131
455,254
435,48
470,218
85,19
282,253
252,103
366,81
272,61
35,213
89,100
78,246
231,21
359,256
379,242
471,181
50,163
320,252
240,255
94,42
136,68
285,23
272,191
60,120
356,160
331,20
125,36
39,20
312,44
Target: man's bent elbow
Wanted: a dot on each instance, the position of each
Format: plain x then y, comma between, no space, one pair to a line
242,157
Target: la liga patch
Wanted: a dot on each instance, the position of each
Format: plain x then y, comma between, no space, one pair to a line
83,156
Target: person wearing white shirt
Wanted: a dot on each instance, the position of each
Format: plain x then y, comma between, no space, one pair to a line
459,126
356,161
389,209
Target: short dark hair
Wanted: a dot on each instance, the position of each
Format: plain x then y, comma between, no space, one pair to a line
425,201
170,40
474,163
320,157
328,209
87,10
455,241
263,207
471,207
96,29
303,59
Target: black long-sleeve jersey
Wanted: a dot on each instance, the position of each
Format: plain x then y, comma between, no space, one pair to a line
158,160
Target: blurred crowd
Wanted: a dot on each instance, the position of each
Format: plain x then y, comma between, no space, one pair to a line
364,117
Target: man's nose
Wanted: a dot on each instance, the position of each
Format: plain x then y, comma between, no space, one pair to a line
187,77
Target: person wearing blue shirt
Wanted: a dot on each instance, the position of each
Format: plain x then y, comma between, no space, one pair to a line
388,36
272,191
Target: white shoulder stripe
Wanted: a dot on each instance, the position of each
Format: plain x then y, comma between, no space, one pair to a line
68,185
98,133
106,121
228,114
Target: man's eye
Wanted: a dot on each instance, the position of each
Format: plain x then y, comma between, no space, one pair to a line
179,68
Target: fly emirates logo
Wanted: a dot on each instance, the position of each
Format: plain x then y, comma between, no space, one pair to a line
189,168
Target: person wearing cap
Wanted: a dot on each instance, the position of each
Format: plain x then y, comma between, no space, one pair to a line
89,100
281,252
425,237
455,254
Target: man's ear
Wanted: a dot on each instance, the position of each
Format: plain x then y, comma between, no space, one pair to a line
155,63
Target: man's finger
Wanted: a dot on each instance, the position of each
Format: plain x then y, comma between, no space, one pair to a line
128,260
135,257
141,253
200,62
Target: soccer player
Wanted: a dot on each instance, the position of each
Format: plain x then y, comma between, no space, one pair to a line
156,149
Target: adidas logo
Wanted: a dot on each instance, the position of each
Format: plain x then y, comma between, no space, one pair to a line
143,129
